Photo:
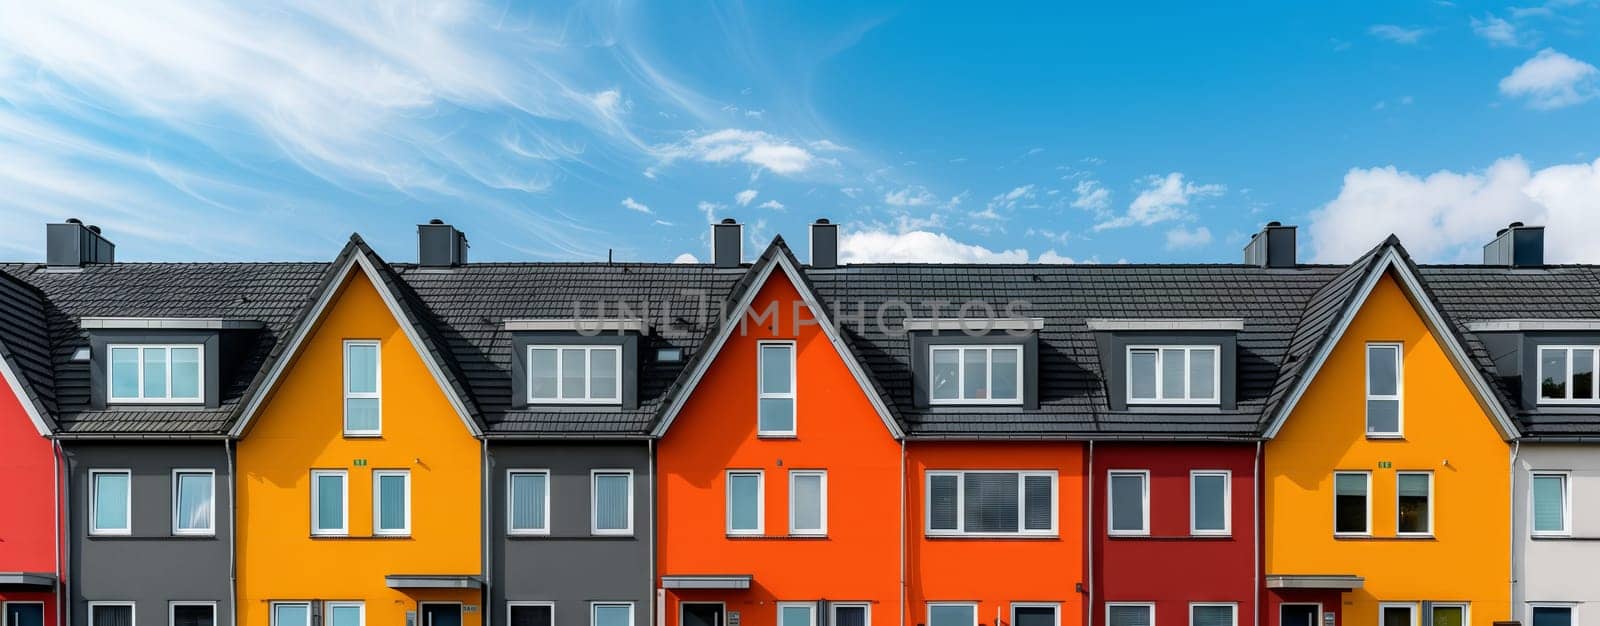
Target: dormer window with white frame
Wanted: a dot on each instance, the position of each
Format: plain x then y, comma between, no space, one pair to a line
1174,374
975,374
1567,375
155,374
574,374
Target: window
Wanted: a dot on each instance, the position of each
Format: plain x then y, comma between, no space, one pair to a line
1449,615
1397,614
808,502
1130,614
975,374
391,502
362,415
329,506
1035,614
797,614
1213,614
291,614
1566,374
851,613
1553,615
575,374
192,614
111,508
528,491
155,373
111,614
1414,509
1209,510
1551,510
611,614
952,614
1173,374
1383,390
346,614
1129,510
193,502
1352,510
992,503
530,613
745,502
775,397
612,512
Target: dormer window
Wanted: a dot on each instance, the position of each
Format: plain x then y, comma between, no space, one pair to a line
975,374
574,374
1567,374
1173,374
155,374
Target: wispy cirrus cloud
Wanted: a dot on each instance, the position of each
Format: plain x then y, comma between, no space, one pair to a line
1397,34
1164,199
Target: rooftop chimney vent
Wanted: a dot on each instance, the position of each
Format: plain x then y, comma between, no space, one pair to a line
1272,247
1516,245
71,244
727,243
440,245
824,244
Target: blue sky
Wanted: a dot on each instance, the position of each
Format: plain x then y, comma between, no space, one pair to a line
932,131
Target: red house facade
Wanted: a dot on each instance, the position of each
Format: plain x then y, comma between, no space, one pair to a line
30,516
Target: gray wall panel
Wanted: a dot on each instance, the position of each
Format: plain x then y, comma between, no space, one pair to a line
1558,570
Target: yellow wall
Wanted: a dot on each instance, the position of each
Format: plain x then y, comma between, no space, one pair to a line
1445,430
301,428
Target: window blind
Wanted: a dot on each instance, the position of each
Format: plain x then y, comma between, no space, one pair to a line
1549,509
1213,616
611,501
990,501
1036,503
942,503
1129,615
527,501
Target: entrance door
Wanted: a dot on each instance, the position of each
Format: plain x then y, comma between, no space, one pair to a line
702,614
1299,614
441,614
24,614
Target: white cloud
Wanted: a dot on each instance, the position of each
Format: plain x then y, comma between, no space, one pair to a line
823,145
1496,30
910,196
663,223
1447,216
710,210
686,258
1050,256
630,203
744,198
609,102
1165,198
1179,238
772,204
918,246
1397,34
753,147
1552,80
1009,201
1092,196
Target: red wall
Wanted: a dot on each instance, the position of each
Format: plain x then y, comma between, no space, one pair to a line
27,524
1171,568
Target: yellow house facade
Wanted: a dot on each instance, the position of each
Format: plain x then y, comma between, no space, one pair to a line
359,475
1386,477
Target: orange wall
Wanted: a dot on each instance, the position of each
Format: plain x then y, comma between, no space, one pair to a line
301,428
837,430
997,572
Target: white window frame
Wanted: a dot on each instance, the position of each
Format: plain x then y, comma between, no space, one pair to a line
209,530
1148,606
988,383
1231,605
1056,606
272,611
94,502
1416,611
866,611
1568,348
510,604
594,504
377,503
328,606
1022,504
588,382
375,394
928,615
1227,504
1466,611
1571,607
172,610
1144,476
593,606
811,608
1161,355
316,496
823,505
133,610
200,385
511,507
1367,475
792,395
1431,507
1566,504
761,502
1399,390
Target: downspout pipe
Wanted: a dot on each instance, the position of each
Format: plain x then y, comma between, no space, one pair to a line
1088,539
1255,521
233,537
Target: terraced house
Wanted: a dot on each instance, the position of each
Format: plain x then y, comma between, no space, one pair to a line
771,442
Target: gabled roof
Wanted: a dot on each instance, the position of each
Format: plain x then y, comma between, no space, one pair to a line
25,351
777,256
355,256
1335,307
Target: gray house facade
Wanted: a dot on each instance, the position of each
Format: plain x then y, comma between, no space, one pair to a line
1556,534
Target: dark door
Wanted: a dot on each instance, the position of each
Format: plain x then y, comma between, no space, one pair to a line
1299,615
702,614
441,615
24,614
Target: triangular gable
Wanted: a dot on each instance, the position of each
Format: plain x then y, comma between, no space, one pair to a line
357,254
777,256
25,352
1390,257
